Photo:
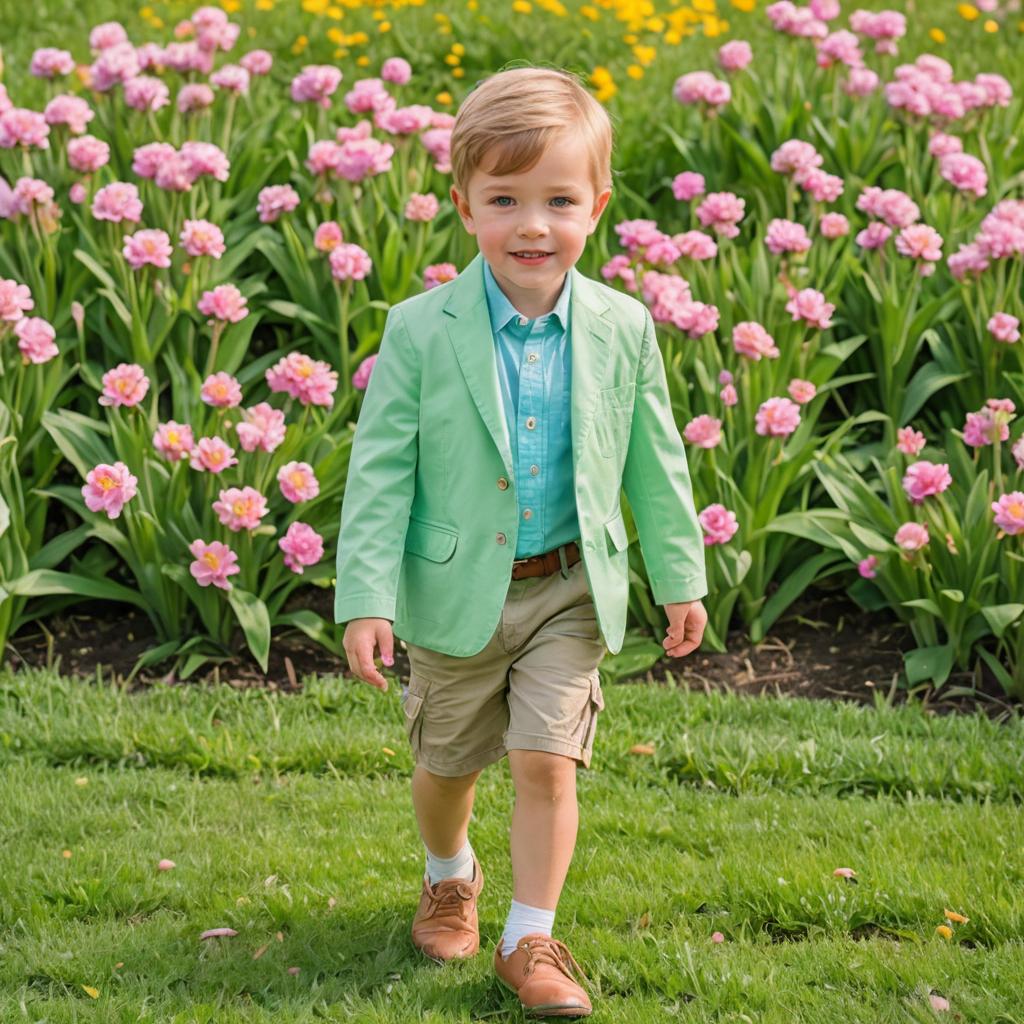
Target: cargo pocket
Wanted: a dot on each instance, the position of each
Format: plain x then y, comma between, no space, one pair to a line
412,705
596,705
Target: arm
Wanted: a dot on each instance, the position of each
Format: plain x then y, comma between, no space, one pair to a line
656,480
381,480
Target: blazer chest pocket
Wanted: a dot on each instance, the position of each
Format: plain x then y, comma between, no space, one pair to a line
430,540
613,417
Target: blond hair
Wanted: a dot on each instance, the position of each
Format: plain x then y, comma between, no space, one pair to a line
520,111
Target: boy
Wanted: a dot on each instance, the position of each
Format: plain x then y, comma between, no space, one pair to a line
506,411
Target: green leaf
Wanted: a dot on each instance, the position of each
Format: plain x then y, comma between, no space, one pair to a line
47,581
926,603
929,379
255,622
314,626
999,616
953,595
793,586
929,663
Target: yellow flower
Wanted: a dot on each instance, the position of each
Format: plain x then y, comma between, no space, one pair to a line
363,61
630,39
967,11
673,38
937,35
459,49
334,13
991,25
744,5
385,26
264,5
231,6
655,24
472,5
704,6
300,44
635,71
458,72
452,59
952,915
336,36
590,12
945,931
444,98
522,6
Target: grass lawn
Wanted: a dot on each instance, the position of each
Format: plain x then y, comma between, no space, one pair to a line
289,819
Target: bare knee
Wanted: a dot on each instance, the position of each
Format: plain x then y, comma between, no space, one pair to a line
450,785
540,775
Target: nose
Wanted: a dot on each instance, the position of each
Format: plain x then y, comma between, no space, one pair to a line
531,226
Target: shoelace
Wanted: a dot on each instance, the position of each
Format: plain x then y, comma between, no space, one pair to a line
451,895
553,952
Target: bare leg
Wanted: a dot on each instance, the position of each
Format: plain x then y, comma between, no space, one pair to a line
443,807
544,825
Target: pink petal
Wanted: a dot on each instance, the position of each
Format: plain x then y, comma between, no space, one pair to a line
214,933
165,865
939,1002
717,937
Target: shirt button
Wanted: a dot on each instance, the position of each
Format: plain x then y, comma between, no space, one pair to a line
531,422
532,357
502,483
523,321
534,470
527,513
500,538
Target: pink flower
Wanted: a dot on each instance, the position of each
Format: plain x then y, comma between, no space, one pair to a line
896,208
194,96
777,417
203,158
866,567
735,55
984,427
147,160
361,378
302,546
77,193
21,127
810,305
397,70
722,211
214,563
349,262
49,63
70,110
823,188
257,62
328,236
1004,327
88,154
422,207
921,242
144,92
941,144
701,87
1009,510
839,47
964,171
108,34
224,303
912,536
635,234
108,488
834,225
795,155
860,82
718,523
437,274
298,482
874,236
695,245
786,236
801,391
924,479
910,441
261,426
323,157
240,508
751,340
231,78
15,300
728,395
30,192
212,454
150,245
704,431
35,339
363,158
201,238
221,390
126,384
315,83
275,200
312,382
117,202
661,252
173,440
688,185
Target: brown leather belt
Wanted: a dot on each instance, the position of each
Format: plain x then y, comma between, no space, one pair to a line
547,563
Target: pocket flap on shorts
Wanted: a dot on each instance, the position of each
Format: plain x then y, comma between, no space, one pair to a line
596,696
429,540
617,532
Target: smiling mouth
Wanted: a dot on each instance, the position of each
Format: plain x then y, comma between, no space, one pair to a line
532,252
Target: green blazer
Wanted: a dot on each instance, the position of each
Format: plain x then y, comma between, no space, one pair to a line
429,518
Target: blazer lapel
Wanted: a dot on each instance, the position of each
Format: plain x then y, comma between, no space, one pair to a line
469,331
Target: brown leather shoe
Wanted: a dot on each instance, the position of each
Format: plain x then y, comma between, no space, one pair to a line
445,926
538,972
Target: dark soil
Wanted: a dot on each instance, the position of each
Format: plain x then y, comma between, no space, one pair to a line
825,648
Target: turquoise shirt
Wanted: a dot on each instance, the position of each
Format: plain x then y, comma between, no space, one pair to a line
535,372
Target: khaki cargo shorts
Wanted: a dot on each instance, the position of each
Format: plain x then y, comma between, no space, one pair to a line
534,686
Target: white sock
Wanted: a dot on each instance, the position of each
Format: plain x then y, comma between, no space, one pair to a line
524,920
459,866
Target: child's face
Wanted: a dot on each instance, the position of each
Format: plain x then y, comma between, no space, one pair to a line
551,207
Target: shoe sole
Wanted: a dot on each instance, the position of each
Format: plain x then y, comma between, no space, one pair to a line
547,1011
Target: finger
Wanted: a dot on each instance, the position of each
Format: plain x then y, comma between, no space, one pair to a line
368,671
387,649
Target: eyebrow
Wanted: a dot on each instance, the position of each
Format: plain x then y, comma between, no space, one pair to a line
509,188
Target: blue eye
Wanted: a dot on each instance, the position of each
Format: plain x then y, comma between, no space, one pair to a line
566,199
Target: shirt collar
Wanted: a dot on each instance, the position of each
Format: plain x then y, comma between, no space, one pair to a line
501,310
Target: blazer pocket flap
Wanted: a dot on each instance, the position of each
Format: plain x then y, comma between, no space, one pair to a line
429,540
616,529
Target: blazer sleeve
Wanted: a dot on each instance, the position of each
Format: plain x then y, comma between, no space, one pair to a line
656,480
381,480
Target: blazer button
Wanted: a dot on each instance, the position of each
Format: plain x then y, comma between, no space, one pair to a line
500,538
502,484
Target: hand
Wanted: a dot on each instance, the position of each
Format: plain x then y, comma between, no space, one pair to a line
360,637
686,622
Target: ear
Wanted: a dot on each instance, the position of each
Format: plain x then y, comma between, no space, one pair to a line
599,204
464,211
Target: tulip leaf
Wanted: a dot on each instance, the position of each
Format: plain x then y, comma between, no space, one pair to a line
925,603
1000,616
928,663
255,622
